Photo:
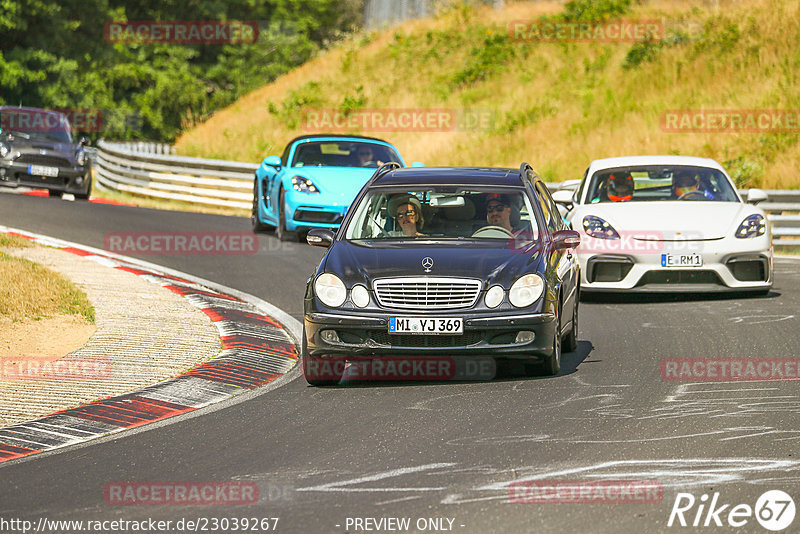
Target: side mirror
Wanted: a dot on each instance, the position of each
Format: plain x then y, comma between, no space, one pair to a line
85,141
754,196
563,239
417,164
273,161
569,185
320,237
563,197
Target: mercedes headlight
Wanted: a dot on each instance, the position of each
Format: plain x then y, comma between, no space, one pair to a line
597,227
359,295
494,296
330,290
526,290
752,226
304,185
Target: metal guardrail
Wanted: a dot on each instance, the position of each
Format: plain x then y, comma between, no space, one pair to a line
149,169
143,169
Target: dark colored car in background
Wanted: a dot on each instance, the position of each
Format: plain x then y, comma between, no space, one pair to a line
490,271
38,150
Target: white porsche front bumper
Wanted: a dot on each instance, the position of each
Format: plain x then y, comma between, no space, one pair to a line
728,264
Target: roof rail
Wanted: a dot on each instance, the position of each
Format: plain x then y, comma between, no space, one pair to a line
523,168
383,169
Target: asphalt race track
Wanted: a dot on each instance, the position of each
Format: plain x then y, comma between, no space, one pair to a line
447,451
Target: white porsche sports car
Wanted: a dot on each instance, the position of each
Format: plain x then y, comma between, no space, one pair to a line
668,223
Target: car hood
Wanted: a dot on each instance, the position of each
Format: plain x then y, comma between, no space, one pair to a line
669,220
336,184
496,263
34,146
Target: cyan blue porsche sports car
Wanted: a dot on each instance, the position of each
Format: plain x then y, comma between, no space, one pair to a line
314,182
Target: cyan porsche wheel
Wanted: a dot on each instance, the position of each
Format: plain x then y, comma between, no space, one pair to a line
283,233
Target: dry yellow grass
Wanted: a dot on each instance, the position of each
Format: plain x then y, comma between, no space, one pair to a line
30,291
581,103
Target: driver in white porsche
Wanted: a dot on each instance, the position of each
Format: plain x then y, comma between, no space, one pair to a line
686,185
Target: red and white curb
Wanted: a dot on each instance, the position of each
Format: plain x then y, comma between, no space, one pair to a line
256,349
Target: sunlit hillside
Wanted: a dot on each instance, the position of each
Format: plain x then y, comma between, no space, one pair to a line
556,105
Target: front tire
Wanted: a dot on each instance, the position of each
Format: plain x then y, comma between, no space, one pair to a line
283,233
85,196
552,363
52,193
570,343
316,370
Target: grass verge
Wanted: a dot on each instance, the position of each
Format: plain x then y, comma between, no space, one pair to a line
31,291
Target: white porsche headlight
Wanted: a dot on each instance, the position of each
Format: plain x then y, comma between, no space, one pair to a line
526,290
330,290
596,227
752,226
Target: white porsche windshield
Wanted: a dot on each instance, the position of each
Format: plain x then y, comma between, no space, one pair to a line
652,183
449,213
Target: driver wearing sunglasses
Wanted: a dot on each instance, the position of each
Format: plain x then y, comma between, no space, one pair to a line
499,211
407,213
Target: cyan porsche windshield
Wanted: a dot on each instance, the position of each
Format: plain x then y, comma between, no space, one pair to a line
654,182
444,213
343,154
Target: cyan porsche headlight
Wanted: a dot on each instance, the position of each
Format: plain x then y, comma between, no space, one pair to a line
526,290
597,227
752,226
304,185
330,290
80,157
4,150
494,296
359,295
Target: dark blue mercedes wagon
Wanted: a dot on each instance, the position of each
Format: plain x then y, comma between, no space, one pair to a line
448,262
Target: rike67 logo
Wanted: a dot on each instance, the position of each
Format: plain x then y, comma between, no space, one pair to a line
774,510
